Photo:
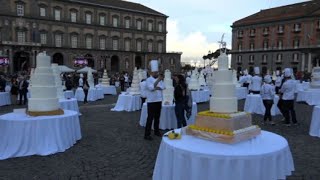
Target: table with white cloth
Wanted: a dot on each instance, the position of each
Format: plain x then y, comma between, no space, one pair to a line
128,102
168,118
265,157
117,83
108,89
93,94
302,86
311,96
69,104
5,98
254,104
241,92
68,94
200,96
99,93
315,122
7,88
23,135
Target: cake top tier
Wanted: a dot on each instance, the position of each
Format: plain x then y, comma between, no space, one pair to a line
223,63
167,74
43,60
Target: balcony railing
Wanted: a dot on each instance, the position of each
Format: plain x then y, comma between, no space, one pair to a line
21,43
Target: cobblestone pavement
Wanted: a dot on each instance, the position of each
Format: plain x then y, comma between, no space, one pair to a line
112,147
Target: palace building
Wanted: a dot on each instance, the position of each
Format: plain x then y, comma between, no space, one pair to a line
112,34
276,38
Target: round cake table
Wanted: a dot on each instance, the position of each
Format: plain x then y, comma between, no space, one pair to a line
5,98
168,119
200,96
108,89
69,104
266,157
311,96
241,92
128,102
23,135
315,122
68,94
254,104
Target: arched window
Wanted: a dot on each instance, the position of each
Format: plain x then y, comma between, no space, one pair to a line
58,39
89,41
102,42
43,37
139,24
160,27
139,45
102,19
88,17
127,44
74,40
57,13
150,46
127,22
150,25
160,47
73,15
115,20
115,43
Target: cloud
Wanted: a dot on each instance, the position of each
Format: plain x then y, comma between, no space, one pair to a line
193,45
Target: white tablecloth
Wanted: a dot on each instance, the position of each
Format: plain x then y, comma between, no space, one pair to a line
22,135
117,83
241,92
79,95
108,89
93,94
302,86
68,94
127,102
266,157
8,88
254,104
69,104
5,98
315,122
168,118
311,96
200,96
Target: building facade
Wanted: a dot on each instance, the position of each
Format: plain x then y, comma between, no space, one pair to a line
114,34
273,39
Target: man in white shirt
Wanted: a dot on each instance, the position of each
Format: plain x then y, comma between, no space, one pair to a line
288,89
256,82
154,86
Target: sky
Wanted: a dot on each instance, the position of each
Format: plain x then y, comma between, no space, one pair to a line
195,26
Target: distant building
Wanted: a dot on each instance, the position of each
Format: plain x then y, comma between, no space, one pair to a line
115,34
276,38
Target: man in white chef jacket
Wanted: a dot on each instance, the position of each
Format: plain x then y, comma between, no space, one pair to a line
155,86
256,82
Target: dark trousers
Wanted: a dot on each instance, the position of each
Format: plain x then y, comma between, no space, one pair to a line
154,111
268,105
85,95
280,106
179,110
255,92
288,108
122,86
142,101
23,94
246,85
277,90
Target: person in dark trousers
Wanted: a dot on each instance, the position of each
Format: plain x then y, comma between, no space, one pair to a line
121,79
69,84
180,92
23,90
280,102
155,86
267,93
2,84
288,90
14,90
85,89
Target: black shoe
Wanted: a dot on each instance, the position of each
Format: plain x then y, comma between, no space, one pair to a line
149,138
296,124
158,134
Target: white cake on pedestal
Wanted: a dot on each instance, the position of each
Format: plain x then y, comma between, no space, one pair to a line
315,78
167,93
43,99
105,79
194,83
202,81
90,78
135,85
57,72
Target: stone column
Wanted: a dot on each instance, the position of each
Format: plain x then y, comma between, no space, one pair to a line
303,61
309,62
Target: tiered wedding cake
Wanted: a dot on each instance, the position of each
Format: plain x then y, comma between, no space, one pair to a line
315,78
202,81
168,92
105,79
194,83
44,99
135,86
90,78
57,72
223,123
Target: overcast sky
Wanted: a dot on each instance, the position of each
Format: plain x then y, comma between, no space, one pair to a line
195,26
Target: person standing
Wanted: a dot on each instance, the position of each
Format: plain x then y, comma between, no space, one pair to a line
143,90
14,90
288,89
180,97
85,90
155,86
23,90
267,95
121,79
278,81
256,82
2,83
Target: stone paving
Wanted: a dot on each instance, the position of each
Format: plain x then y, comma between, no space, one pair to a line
112,147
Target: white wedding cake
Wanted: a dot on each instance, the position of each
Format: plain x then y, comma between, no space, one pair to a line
57,72
90,78
194,83
168,92
210,80
202,81
224,98
315,78
105,79
135,86
43,99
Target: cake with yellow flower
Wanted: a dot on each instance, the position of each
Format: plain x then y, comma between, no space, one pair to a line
223,123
